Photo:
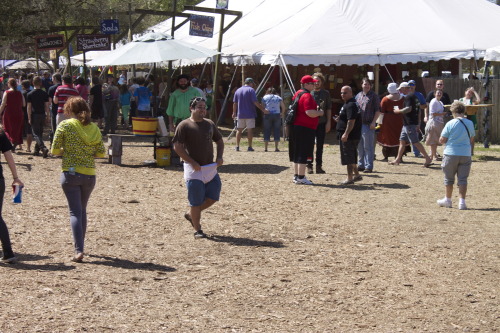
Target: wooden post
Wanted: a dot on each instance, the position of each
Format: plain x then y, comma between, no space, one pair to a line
115,149
376,77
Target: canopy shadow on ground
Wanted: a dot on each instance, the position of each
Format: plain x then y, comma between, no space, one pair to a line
252,168
239,241
128,264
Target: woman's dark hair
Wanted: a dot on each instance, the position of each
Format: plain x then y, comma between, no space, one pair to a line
77,107
271,91
12,83
123,88
95,80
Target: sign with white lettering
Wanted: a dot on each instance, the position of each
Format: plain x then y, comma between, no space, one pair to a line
51,42
201,25
93,42
110,27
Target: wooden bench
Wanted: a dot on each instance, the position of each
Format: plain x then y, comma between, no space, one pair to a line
115,146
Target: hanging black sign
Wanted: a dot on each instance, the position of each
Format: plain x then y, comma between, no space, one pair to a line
51,42
201,25
95,42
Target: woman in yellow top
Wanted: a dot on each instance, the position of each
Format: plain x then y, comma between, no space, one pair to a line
78,141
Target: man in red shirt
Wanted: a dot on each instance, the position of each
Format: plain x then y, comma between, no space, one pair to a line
303,131
63,92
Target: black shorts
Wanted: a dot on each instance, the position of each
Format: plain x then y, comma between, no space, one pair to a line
301,144
349,152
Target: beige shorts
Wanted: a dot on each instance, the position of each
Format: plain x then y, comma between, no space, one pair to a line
248,123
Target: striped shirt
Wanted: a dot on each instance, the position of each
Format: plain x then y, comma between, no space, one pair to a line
63,93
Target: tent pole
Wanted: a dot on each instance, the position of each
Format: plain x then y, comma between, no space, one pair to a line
217,63
282,88
376,77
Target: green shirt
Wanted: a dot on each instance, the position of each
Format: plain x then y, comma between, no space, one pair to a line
178,104
79,146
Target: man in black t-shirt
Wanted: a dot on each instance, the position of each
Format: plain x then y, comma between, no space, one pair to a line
349,134
56,78
409,132
38,113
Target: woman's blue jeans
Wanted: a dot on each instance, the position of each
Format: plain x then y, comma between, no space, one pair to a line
272,122
77,188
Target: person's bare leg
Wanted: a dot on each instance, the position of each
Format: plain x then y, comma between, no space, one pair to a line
195,213
250,136
29,141
355,170
276,143
422,151
238,136
266,143
433,152
449,191
301,169
401,151
462,191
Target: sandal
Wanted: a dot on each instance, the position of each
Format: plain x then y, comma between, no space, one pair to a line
426,165
347,182
357,178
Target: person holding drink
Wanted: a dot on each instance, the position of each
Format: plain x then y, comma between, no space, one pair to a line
6,147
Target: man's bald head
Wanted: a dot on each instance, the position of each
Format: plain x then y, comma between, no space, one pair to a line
346,93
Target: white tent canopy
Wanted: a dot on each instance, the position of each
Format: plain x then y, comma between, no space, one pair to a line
493,54
352,31
153,47
89,55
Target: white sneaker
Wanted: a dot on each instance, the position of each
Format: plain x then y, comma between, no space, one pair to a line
303,181
444,203
462,206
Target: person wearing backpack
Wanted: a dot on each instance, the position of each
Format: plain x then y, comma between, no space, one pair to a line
303,130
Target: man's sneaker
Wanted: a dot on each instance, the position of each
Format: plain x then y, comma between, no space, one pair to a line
303,181
8,259
250,149
309,168
462,206
237,148
444,203
295,179
45,152
200,234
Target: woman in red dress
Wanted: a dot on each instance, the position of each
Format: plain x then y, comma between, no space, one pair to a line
390,129
12,115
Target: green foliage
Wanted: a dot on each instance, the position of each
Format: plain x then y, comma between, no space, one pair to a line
30,18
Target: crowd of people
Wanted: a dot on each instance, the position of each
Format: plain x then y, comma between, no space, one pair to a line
76,114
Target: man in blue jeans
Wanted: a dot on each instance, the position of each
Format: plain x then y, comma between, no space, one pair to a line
369,104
